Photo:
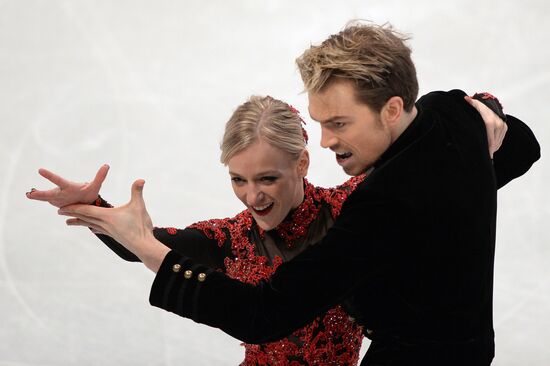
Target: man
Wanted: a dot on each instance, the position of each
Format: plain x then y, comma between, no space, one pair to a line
412,251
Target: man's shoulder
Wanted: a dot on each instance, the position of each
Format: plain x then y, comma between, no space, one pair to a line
443,99
450,109
376,190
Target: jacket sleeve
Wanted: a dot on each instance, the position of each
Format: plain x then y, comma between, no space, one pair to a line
299,290
519,150
188,242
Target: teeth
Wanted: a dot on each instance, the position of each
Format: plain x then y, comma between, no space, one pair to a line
261,208
344,155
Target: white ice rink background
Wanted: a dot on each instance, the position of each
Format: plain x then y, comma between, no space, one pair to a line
146,86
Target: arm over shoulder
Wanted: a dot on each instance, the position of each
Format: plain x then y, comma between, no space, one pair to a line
311,283
520,148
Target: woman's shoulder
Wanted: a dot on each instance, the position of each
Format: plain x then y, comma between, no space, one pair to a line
348,186
219,229
351,184
336,196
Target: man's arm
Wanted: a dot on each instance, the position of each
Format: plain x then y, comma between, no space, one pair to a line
300,290
519,150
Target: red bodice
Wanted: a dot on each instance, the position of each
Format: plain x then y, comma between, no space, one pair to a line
331,339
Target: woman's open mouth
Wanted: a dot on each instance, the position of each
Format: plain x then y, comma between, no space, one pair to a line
263,210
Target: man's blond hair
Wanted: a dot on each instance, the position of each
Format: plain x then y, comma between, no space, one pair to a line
374,57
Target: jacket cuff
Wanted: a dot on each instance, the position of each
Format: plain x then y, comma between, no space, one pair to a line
177,285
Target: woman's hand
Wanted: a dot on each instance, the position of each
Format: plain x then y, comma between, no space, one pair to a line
67,192
129,224
496,127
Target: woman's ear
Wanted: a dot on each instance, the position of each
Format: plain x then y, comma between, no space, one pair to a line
303,163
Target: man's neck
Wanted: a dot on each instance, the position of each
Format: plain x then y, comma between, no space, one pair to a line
404,122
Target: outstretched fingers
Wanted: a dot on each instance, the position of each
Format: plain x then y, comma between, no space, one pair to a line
54,178
48,195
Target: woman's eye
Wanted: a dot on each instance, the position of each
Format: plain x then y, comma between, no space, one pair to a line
339,124
269,179
237,180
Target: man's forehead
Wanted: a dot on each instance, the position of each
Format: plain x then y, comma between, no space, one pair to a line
333,101
326,112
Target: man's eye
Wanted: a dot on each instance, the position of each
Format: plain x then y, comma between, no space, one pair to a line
237,180
269,179
339,124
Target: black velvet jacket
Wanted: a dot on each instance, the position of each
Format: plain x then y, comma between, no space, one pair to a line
411,253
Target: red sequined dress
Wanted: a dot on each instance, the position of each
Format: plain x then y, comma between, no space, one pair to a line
241,249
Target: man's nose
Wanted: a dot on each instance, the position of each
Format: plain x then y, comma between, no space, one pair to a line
328,139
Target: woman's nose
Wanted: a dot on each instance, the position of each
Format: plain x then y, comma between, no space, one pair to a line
254,197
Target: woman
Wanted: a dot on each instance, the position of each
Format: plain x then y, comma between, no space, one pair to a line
264,147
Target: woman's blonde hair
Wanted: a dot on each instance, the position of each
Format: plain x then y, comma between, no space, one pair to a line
271,119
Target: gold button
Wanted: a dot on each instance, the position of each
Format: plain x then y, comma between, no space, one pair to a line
187,274
176,268
201,277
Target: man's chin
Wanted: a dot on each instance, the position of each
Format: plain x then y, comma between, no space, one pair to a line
352,170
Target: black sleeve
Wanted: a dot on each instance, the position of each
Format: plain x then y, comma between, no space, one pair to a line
519,150
188,242
118,248
111,243
195,244
299,290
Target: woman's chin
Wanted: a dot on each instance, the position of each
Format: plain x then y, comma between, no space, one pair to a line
266,226
266,222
